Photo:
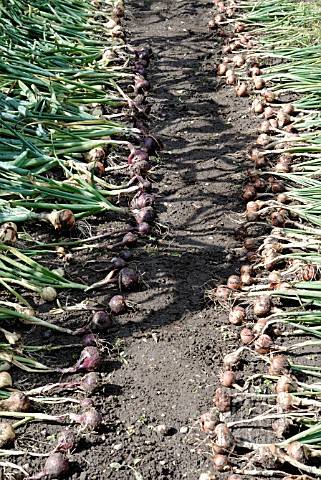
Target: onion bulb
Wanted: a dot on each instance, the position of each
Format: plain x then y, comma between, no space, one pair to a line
246,336
48,294
263,344
221,69
262,306
258,82
5,380
224,441
281,427
17,402
237,315
222,400
221,463
297,451
208,422
233,282
228,378
232,359
7,433
56,466
286,384
242,90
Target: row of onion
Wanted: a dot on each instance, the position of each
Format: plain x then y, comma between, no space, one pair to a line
275,297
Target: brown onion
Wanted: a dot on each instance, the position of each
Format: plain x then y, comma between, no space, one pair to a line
259,326
254,71
246,269
263,344
221,69
224,439
298,451
274,277
7,433
289,109
268,95
263,139
281,427
286,384
258,82
208,422
17,402
249,193
246,279
222,293
237,315
233,282
246,336
242,90
262,306
232,359
238,60
222,400
269,113
221,463
257,106
228,378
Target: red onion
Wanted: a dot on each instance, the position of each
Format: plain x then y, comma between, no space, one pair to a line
137,155
89,340
246,269
144,215
128,278
86,403
117,304
90,382
65,441
142,199
89,420
56,466
126,255
101,321
89,360
118,262
130,239
141,85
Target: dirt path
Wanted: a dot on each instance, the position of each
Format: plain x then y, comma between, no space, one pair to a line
174,342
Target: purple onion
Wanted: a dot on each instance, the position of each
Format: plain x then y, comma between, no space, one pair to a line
137,154
142,199
117,304
89,420
141,70
129,278
141,125
89,340
141,62
89,360
144,215
86,403
65,442
141,85
144,184
126,255
101,321
130,239
143,53
144,228
152,144
89,382
56,466
118,262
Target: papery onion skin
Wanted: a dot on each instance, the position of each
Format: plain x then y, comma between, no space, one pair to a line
221,463
222,400
228,378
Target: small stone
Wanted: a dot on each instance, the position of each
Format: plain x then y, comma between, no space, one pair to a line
161,429
183,430
117,447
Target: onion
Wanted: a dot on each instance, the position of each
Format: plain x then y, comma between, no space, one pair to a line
237,315
258,82
277,220
257,106
259,326
17,402
309,272
89,360
228,378
233,282
221,69
263,139
222,400
7,433
96,154
246,336
222,293
48,294
5,380
62,220
207,476
263,344
8,234
238,60
297,451
208,422
89,420
246,269
65,441
232,359
129,278
251,243
286,384
101,321
89,340
242,90
269,112
130,239
268,96
249,193
252,207
265,126
260,185
254,71
126,255
289,109
90,382
239,27
224,439
286,401
56,466
274,277
282,168
281,427
283,119
230,77
221,463
117,304
262,306
144,215
252,217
